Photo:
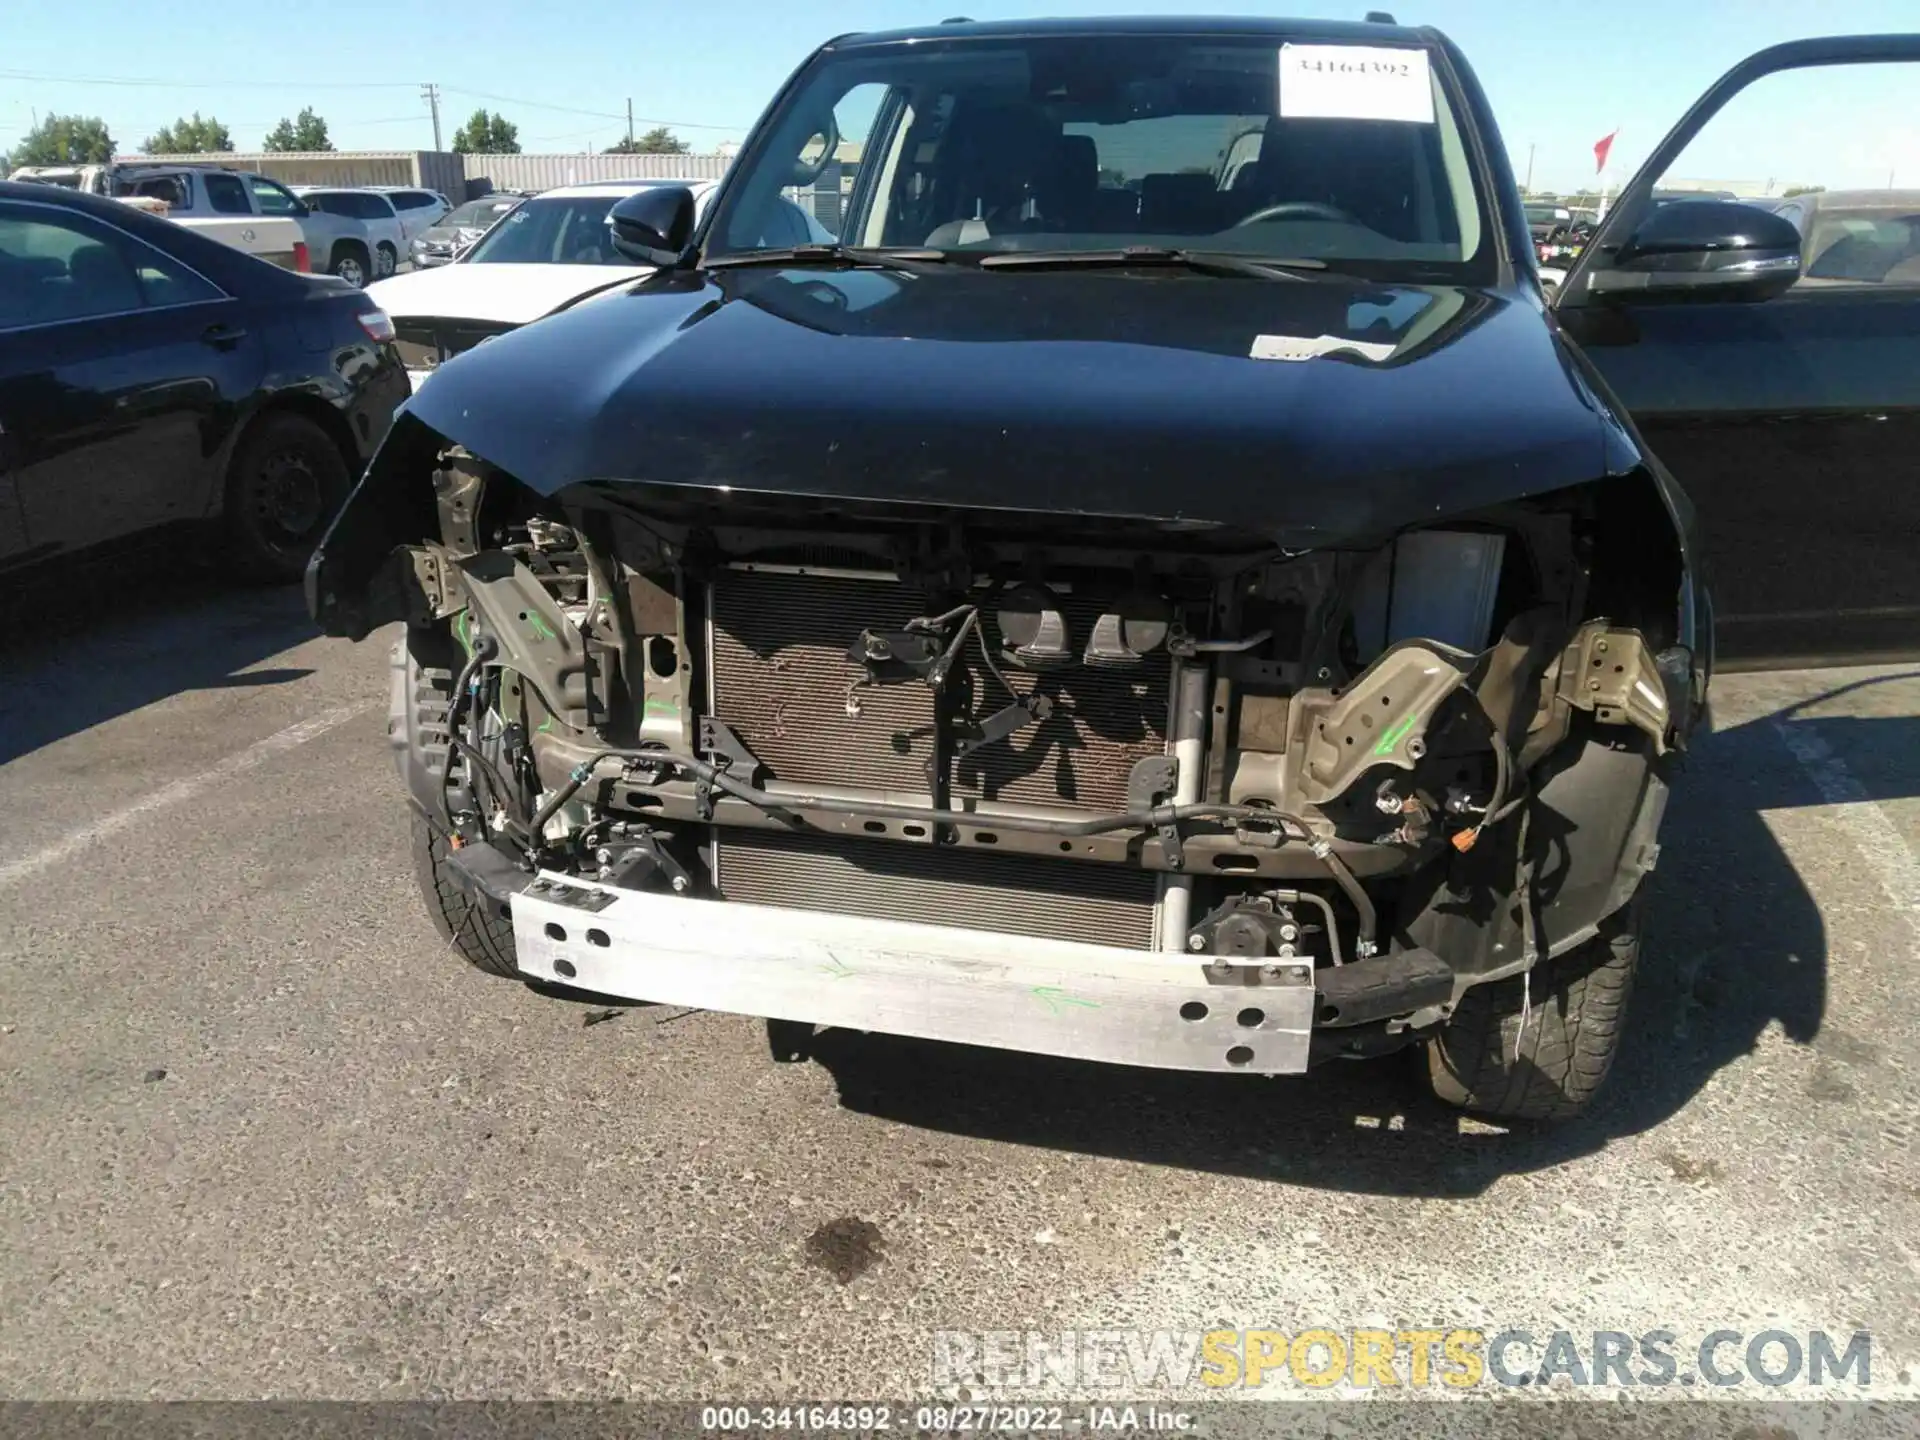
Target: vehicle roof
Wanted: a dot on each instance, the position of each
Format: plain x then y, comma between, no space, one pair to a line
625,187
1252,26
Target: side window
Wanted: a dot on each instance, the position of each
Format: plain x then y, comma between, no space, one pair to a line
56,268
168,188
226,194
165,281
274,200
371,207
1806,136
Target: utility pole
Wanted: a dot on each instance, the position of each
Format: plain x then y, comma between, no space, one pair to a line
630,126
1529,187
431,94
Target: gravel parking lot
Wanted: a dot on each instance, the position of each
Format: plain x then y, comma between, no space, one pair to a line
260,1134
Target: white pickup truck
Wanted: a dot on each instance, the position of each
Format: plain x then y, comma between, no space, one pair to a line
267,237
246,211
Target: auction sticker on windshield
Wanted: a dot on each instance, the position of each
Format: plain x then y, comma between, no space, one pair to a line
1355,82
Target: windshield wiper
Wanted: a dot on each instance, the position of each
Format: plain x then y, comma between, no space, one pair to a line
1207,263
827,255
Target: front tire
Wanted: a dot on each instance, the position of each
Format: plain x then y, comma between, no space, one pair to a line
1571,1031
470,923
286,480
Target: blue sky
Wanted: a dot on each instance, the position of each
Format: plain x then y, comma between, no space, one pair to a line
1560,74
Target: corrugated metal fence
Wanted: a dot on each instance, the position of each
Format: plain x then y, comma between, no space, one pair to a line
429,169
455,176
544,172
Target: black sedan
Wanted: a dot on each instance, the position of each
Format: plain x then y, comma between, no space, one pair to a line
154,382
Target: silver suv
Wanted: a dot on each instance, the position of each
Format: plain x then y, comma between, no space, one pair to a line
337,244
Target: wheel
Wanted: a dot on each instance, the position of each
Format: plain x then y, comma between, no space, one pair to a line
469,923
385,260
350,264
286,481
1572,1031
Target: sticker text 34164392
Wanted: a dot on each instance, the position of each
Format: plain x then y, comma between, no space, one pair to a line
1355,82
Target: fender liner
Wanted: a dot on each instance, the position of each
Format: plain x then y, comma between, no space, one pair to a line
351,587
1590,828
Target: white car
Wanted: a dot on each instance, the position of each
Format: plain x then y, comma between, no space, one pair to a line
371,209
553,248
418,209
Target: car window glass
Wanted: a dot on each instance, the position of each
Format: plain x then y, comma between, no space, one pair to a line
165,281
563,230
477,214
371,207
1794,135
787,225
56,268
226,194
1345,153
161,187
274,200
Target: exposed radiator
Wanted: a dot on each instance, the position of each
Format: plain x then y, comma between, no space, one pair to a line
1019,895
780,678
1102,722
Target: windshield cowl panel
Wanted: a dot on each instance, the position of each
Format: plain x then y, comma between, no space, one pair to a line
1353,155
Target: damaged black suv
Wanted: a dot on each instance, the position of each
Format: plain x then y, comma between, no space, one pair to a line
1163,588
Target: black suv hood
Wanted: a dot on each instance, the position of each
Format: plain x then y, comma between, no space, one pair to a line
1139,393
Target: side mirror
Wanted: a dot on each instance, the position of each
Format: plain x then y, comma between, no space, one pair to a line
1705,250
653,225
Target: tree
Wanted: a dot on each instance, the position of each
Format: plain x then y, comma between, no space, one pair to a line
189,137
65,140
306,132
1793,190
657,141
486,134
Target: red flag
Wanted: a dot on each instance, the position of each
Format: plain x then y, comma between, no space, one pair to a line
1600,149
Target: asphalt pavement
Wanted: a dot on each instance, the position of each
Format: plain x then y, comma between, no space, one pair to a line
262,1135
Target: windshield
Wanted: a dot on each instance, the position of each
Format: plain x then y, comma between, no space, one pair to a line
477,213
563,230
1343,153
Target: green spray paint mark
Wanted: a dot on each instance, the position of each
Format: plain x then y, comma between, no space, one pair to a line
658,705
838,970
463,631
1054,997
537,623
1393,737
545,726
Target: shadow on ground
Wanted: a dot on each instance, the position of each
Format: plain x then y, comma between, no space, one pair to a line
1735,943
111,641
